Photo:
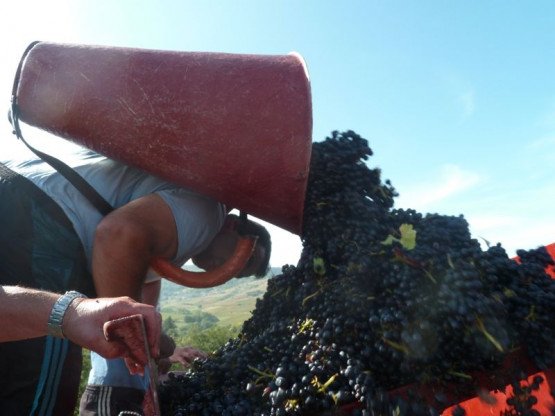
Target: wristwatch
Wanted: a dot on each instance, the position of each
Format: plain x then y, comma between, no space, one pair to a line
59,310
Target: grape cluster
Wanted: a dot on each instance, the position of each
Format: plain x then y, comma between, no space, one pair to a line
380,298
522,400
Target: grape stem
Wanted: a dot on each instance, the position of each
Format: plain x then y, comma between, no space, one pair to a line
311,296
459,374
397,346
488,335
322,387
262,374
532,315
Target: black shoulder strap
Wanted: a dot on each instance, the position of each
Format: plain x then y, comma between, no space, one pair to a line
71,175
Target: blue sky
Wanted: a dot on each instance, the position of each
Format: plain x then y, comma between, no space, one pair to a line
457,98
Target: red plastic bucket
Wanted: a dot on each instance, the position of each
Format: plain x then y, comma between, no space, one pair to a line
235,127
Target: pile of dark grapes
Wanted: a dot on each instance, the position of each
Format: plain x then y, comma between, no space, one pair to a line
381,298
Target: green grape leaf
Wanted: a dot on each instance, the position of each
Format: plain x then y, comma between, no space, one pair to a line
389,240
319,266
408,237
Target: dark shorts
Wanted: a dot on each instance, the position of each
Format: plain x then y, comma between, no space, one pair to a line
40,377
38,248
111,401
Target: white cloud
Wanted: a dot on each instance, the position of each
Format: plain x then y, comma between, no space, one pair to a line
548,117
460,93
468,103
542,143
541,155
513,232
492,221
543,148
451,181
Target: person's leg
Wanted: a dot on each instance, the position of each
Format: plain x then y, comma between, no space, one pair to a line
70,377
111,401
20,364
40,377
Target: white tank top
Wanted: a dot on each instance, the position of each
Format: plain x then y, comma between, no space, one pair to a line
198,218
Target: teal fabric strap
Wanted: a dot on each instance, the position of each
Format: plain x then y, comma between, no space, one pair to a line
59,310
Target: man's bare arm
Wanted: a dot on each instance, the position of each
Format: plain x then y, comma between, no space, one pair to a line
126,240
25,313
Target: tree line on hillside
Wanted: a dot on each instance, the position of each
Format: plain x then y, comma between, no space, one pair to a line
200,330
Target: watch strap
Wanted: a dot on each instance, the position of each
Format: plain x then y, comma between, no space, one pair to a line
59,310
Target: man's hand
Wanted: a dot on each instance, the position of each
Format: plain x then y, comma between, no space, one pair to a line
85,318
167,346
181,355
186,355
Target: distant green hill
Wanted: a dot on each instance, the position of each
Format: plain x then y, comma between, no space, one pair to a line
232,303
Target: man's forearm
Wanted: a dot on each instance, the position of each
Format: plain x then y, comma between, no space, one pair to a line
115,274
120,260
25,312
126,240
